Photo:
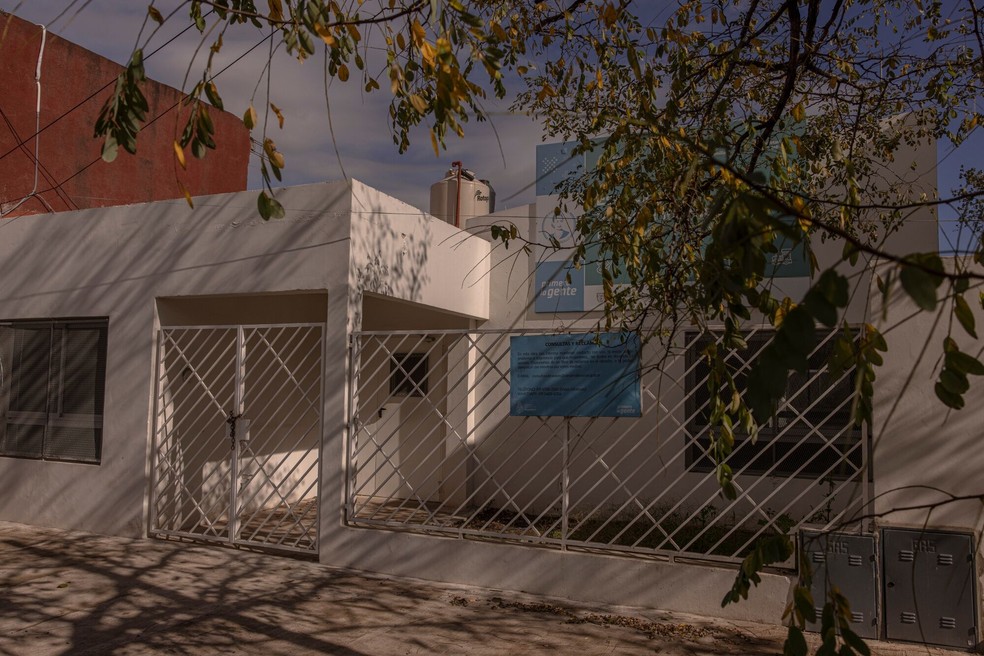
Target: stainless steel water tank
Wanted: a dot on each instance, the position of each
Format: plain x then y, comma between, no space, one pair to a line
477,197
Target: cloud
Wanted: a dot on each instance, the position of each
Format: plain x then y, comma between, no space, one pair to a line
501,150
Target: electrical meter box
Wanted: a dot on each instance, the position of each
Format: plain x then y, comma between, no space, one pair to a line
846,562
929,587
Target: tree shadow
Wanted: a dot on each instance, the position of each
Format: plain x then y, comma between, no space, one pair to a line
74,593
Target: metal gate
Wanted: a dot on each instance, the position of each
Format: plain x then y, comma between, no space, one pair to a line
237,437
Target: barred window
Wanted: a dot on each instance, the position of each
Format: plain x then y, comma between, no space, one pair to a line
52,379
408,374
811,433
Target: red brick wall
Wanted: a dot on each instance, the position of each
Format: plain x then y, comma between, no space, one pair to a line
72,174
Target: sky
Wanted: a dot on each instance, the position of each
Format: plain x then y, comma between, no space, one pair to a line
501,150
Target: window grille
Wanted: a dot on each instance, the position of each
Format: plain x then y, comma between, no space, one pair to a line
52,378
408,374
456,462
811,430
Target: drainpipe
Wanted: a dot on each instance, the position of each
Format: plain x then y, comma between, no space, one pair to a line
37,127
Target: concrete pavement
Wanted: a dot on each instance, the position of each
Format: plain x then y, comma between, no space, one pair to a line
67,592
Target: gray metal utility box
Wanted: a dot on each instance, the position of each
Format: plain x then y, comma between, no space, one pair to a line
929,587
847,562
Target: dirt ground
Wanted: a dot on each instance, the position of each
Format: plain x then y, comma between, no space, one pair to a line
66,592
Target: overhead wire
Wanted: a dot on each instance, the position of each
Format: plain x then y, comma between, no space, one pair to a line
93,94
49,177
169,109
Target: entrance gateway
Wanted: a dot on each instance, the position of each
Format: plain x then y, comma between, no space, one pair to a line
237,435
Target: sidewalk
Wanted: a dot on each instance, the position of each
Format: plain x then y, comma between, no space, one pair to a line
65,592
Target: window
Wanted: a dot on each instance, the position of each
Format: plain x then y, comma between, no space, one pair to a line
408,374
52,375
810,432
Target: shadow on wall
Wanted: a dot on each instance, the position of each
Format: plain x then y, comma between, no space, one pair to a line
113,263
389,251
401,253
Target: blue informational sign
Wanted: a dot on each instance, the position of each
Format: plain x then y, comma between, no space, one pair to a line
583,375
553,291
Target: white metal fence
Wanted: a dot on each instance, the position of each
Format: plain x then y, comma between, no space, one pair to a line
432,447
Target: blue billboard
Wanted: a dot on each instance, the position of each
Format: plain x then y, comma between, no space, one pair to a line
582,375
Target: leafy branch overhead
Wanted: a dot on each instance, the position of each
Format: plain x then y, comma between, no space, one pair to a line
431,55
724,136
124,111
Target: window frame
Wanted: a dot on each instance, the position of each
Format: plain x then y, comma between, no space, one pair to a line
786,450
56,390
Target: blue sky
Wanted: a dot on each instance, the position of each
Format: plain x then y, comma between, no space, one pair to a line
502,150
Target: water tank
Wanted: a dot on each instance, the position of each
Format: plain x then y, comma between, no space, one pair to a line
477,197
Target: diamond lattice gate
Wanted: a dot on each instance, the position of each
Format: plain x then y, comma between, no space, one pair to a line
238,435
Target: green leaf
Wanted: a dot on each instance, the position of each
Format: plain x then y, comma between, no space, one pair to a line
850,253
822,309
834,288
768,551
920,286
964,315
954,382
110,149
855,641
948,398
136,62
795,644
212,94
270,208
963,363
803,600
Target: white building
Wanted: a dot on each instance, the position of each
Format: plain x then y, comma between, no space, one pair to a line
301,384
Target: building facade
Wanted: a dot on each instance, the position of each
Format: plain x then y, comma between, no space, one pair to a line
341,383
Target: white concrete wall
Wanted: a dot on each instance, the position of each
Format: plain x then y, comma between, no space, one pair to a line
594,577
927,457
114,263
403,253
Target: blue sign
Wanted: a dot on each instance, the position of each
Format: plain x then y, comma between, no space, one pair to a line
583,375
789,260
553,292
556,164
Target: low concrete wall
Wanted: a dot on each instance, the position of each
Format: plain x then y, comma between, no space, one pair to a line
678,586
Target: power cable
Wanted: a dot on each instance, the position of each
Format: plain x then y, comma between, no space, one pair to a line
94,93
49,177
166,111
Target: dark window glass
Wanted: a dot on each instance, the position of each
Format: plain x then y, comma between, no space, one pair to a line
52,379
408,374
